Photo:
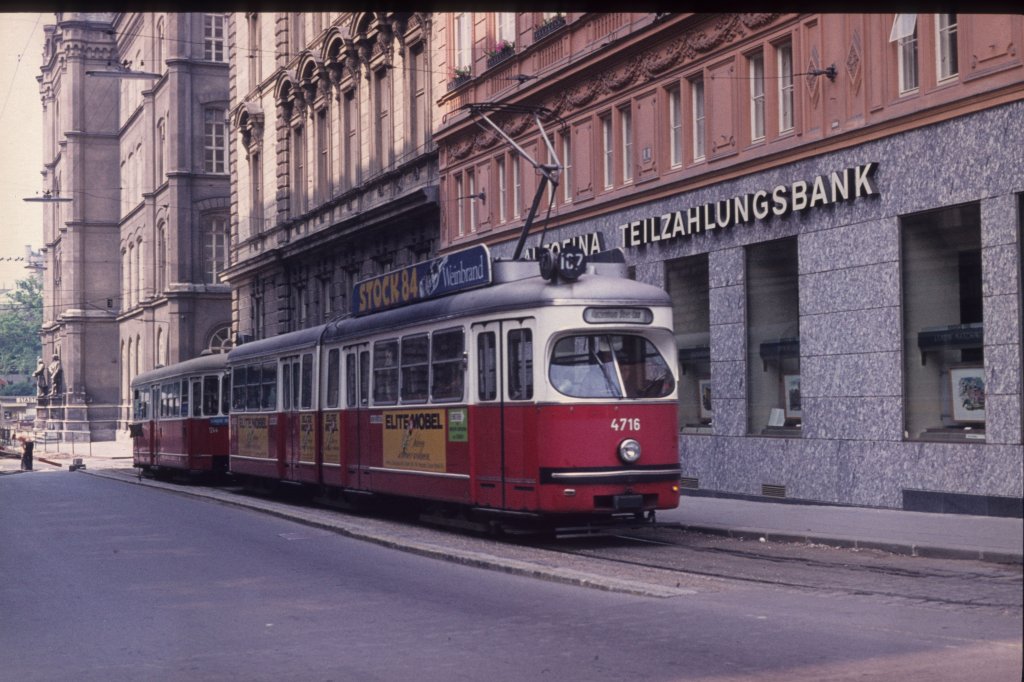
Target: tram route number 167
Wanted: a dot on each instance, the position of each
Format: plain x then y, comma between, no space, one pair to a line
626,424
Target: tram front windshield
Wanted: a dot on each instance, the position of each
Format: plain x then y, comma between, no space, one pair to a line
609,366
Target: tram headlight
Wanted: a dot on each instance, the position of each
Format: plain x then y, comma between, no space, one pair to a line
629,451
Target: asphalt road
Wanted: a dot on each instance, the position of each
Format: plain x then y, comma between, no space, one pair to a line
100,580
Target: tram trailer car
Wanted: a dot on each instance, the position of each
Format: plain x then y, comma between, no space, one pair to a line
515,396
180,420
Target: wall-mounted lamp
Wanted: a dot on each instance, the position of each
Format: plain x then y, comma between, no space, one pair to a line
123,70
482,196
829,72
48,198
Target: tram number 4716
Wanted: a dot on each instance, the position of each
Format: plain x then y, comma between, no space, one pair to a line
626,424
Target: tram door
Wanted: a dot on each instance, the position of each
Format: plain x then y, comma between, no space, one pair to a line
355,416
501,424
300,428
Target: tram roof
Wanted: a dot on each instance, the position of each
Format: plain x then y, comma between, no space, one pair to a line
282,343
530,292
212,362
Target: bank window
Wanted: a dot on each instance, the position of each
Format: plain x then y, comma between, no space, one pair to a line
697,117
447,365
520,364
784,57
385,372
675,127
687,284
773,339
943,326
755,69
947,65
487,366
607,151
415,368
904,35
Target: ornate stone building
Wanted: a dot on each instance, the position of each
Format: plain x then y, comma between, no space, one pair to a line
834,202
334,170
135,148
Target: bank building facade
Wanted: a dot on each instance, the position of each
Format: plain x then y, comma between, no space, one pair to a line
833,202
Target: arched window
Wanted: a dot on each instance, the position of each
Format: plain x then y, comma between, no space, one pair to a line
220,340
161,348
161,258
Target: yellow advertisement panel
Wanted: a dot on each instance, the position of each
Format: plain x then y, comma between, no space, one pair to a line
331,435
253,436
415,439
307,438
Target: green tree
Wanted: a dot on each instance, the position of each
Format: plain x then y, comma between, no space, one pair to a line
21,317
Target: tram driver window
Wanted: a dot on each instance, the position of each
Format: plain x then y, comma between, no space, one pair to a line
520,364
487,366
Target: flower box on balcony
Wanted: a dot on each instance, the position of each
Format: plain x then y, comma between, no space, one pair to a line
497,57
458,80
548,27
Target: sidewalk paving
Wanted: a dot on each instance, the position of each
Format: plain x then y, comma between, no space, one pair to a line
953,536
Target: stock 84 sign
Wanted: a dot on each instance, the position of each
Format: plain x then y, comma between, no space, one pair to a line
442,276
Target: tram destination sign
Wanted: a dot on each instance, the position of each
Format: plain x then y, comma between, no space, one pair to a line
443,276
823,190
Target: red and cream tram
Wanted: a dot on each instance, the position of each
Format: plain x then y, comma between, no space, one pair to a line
180,417
479,385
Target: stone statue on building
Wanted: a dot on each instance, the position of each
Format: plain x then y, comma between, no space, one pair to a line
42,377
56,377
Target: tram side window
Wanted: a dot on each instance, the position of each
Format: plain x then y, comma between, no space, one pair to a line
350,380
385,372
268,391
415,368
183,388
170,395
333,379
364,378
225,394
197,398
520,364
447,366
141,403
252,387
487,366
307,381
286,384
238,389
211,395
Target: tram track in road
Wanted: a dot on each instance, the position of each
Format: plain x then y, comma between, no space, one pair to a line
856,572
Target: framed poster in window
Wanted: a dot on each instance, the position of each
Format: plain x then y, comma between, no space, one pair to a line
791,394
704,388
967,389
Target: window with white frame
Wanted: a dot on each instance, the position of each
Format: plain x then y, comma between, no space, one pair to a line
460,225
675,127
567,166
502,189
213,38
463,40
215,248
214,141
904,34
755,69
506,27
947,65
784,56
607,150
697,96
626,130
517,187
471,198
